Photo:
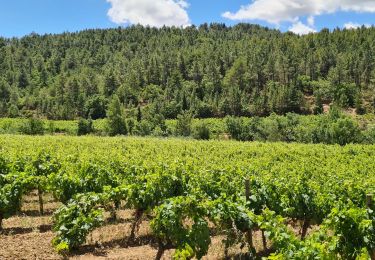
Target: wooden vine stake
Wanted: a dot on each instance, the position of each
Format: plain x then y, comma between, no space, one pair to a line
369,204
1,221
40,197
369,200
247,195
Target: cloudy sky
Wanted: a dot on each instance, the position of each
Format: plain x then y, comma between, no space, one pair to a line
21,17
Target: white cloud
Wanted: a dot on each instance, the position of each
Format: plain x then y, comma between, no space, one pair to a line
149,12
351,25
279,11
300,28
311,20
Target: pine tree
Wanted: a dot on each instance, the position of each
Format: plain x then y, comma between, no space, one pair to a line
139,114
110,84
115,121
318,105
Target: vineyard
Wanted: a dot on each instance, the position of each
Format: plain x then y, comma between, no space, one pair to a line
302,201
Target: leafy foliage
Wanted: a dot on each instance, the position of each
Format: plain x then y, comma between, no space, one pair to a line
74,221
211,71
187,188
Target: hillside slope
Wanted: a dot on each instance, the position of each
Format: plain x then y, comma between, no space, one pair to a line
211,70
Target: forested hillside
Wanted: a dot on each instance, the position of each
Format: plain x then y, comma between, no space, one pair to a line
211,71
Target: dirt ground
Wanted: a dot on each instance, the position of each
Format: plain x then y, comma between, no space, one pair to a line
29,236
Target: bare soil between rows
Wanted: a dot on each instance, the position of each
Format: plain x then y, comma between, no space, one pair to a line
29,236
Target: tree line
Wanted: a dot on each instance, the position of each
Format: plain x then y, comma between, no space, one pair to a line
332,128
209,71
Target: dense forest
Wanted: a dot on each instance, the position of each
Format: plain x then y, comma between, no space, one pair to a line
209,71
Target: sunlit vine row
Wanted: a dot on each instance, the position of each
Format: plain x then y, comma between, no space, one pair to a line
175,182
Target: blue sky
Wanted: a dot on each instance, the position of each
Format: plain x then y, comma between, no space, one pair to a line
21,17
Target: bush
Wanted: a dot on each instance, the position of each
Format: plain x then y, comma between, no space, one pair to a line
272,128
130,123
201,131
158,132
51,127
336,128
85,127
344,95
183,127
235,127
95,107
345,131
13,111
171,110
143,128
115,121
33,126
358,102
280,128
204,110
369,135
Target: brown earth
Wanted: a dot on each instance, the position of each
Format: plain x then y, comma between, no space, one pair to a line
29,236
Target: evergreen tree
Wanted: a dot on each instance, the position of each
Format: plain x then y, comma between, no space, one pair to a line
183,127
211,71
139,114
318,105
110,84
115,121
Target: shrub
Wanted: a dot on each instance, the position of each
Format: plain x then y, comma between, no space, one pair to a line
204,110
85,127
234,127
183,126
13,111
95,107
130,123
51,127
33,126
345,131
201,131
115,121
336,128
158,132
369,135
143,128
